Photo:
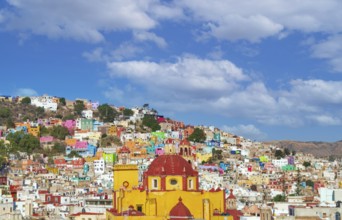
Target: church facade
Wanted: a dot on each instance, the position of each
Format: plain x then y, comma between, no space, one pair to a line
169,190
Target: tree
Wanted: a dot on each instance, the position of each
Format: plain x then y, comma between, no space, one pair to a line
62,101
10,123
59,132
279,198
197,136
40,111
306,164
107,113
5,112
127,112
151,122
19,141
26,100
69,117
79,107
310,183
279,154
287,152
58,148
74,154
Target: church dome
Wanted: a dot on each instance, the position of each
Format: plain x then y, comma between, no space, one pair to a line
170,165
124,149
180,211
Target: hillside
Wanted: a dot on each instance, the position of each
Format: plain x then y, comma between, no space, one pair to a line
17,112
318,149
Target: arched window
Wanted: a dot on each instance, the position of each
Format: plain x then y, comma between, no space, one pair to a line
337,216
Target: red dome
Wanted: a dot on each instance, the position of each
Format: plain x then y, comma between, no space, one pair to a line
170,165
169,141
185,142
180,211
124,149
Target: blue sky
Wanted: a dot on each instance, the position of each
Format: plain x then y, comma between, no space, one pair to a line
266,70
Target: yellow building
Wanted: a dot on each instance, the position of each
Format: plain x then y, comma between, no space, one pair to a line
169,190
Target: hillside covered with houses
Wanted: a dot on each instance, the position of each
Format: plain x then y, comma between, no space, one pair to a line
57,158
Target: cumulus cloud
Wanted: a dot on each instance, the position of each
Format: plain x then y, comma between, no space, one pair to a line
25,92
255,20
247,131
188,77
80,20
222,88
331,50
147,36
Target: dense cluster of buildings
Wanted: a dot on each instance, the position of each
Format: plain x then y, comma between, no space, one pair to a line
161,175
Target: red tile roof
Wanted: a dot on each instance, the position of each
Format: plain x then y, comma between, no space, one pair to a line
170,165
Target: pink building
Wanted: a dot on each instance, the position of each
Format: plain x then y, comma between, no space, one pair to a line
46,139
70,125
81,145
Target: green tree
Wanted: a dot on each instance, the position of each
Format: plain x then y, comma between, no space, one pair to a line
107,113
128,112
58,148
287,152
197,136
59,132
26,100
10,123
150,122
306,164
19,141
5,112
40,112
69,117
79,107
279,154
44,131
279,198
62,101
74,154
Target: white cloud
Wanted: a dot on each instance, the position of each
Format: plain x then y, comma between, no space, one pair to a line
147,36
80,20
25,92
95,56
255,20
188,77
220,87
330,49
247,131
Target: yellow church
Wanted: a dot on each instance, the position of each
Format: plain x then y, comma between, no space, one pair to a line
169,190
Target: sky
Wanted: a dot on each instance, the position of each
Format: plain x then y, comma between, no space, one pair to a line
265,70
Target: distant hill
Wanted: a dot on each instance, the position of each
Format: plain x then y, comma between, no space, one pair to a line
318,149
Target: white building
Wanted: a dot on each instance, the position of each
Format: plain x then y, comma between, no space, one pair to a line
88,114
280,162
99,166
47,102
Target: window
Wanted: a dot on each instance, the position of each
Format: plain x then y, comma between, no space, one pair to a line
155,184
139,208
190,185
173,182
